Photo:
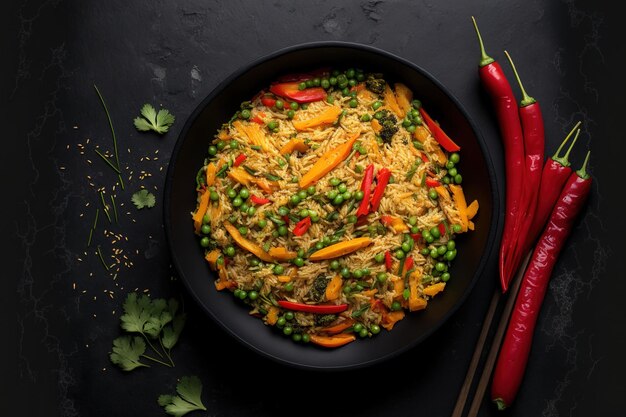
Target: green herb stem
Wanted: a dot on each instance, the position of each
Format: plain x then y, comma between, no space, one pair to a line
102,258
105,159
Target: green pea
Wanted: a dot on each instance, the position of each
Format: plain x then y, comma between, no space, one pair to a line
254,262
332,194
377,105
214,196
350,73
206,219
229,251
432,194
379,257
325,83
451,244
334,182
315,217
289,315
352,218
399,254
272,125
291,114
450,255
245,113
310,190
435,232
306,338
280,323
262,223
330,99
274,234
293,105
294,200
332,80
445,276
205,242
205,229
298,262
300,253
452,172
309,83
345,272
231,193
353,103
279,104
283,211
442,249
251,211
455,157
347,290
446,180
282,230
357,327
243,294
234,144
244,208
212,150
236,292
243,230
456,228
357,273
375,328
449,165
338,200
342,188
358,287
303,213
237,201
415,229
440,266
317,82
395,306
378,115
347,195
406,247
458,179
278,269
366,117
221,145
296,337
220,260
363,333
334,264
428,237
319,245
345,91
425,251
381,277
288,287
406,123
411,129
302,86
358,196
434,253
412,220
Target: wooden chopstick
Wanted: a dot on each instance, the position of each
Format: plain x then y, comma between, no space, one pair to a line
495,347
497,340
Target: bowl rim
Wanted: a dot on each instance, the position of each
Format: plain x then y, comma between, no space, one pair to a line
495,223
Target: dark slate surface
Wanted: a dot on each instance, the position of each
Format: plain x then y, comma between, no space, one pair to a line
60,319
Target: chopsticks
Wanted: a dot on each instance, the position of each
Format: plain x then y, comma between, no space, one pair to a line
493,350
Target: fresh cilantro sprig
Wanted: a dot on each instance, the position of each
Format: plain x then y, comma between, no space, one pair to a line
189,390
155,321
159,122
143,198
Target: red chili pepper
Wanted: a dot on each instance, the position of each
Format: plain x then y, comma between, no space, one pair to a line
516,346
366,187
505,104
259,201
554,174
440,136
313,308
268,101
534,144
424,157
407,265
302,226
381,182
442,229
291,91
388,261
432,182
239,160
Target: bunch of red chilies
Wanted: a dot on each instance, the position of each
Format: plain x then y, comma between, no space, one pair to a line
544,221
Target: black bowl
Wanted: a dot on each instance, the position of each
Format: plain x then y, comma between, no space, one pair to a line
191,149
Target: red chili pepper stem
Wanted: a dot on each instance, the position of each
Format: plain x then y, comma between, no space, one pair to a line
484,58
582,172
564,160
526,99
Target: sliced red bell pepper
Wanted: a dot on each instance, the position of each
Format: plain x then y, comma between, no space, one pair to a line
302,226
239,160
386,220
291,91
258,118
366,187
432,183
388,261
313,308
407,265
268,101
381,182
440,136
442,229
286,220
259,201
424,157
416,236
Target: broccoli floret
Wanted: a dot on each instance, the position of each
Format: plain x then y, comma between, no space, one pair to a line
318,289
389,125
324,319
375,83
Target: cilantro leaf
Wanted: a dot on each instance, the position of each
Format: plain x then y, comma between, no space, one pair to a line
159,317
127,352
143,198
172,332
159,122
189,390
136,313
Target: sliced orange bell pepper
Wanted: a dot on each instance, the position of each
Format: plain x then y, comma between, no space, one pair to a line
202,207
333,289
434,289
338,328
340,249
333,341
327,116
403,97
294,145
282,254
390,101
246,244
461,204
328,161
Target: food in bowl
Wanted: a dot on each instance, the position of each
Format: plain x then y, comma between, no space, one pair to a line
329,204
